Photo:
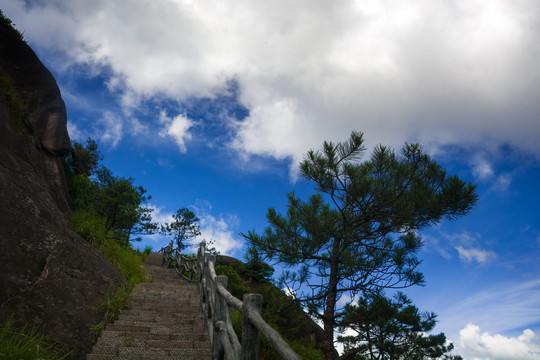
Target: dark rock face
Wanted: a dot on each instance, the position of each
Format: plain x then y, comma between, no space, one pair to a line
49,276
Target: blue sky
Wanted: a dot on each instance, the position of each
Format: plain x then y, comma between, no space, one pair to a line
211,104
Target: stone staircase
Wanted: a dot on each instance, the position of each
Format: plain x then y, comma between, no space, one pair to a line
162,321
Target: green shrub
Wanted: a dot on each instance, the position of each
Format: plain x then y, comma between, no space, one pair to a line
28,343
235,285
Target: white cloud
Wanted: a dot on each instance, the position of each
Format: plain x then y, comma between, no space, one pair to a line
503,182
468,245
74,132
439,72
110,129
159,215
222,231
477,345
499,307
475,254
177,127
482,169
136,127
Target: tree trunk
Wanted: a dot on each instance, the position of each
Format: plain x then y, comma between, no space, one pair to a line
330,352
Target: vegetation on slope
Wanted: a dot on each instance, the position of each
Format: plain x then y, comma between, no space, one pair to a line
280,311
109,210
109,213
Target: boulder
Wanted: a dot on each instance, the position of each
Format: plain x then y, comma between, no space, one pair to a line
49,276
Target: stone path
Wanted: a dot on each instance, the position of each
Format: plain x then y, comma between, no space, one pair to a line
161,322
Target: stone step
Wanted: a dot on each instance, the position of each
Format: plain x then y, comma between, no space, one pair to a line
154,313
162,321
158,329
158,347
190,336
186,355
172,318
178,322
127,341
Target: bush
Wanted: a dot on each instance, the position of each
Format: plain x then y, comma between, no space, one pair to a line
235,285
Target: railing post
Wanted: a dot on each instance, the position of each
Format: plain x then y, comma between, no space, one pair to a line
250,334
210,294
220,314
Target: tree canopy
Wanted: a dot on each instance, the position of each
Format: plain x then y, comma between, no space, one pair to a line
116,201
391,329
184,227
360,231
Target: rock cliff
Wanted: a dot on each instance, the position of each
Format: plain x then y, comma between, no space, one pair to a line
49,276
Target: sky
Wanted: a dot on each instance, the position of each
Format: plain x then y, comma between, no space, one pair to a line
211,104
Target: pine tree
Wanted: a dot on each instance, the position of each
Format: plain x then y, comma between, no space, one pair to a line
360,231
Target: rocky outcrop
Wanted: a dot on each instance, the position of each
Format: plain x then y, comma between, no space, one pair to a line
49,276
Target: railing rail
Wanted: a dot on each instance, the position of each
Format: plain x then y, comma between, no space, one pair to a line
216,304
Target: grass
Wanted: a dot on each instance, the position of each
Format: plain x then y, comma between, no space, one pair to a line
28,343
91,227
116,299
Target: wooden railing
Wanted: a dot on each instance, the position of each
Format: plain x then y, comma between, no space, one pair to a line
216,304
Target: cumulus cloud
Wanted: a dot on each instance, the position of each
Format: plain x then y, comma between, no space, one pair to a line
177,128
222,229
515,304
475,254
475,344
440,72
160,215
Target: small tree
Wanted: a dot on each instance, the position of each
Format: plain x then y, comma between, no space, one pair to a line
360,232
184,227
84,160
391,329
